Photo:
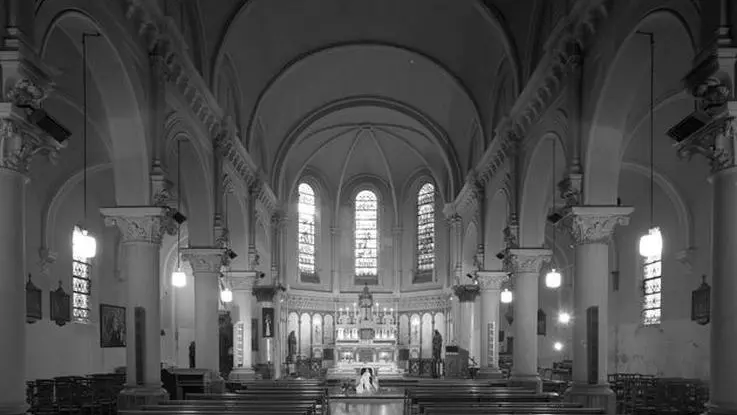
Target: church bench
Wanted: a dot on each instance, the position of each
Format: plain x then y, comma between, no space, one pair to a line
301,407
463,407
509,411
185,411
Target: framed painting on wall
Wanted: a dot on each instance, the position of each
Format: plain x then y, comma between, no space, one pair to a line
112,326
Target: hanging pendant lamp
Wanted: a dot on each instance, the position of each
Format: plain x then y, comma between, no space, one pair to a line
553,279
651,244
507,296
82,240
178,277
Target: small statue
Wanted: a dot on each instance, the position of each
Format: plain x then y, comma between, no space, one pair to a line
292,343
191,355
437,345
367,383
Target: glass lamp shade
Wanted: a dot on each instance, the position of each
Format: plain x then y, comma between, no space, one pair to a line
226,295
553,279
506,296
178,279
651,244
558,346
84,243
564,318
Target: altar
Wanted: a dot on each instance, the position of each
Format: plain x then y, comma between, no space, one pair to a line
365,335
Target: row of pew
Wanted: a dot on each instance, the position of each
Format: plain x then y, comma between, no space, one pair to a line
645,394
95,394
311,397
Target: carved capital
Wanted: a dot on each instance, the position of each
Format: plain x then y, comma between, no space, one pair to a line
242,280
570,189
19,144
595,224
466,293
27,94
204,260
137,224
45,259
491,280
528,261
266,293
716,142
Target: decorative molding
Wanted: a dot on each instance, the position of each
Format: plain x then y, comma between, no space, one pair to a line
46,259
266,293
715,142
528,261
204,260
596,224
491,280
242,280
20,142
466,293
139,224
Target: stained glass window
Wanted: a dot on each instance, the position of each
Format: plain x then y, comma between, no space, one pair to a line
426,229
81,288
367,234
652,290
306,242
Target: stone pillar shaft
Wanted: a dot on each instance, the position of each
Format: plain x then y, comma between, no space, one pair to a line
141,229
467,318
206,263
242,283
12,298
526,264
723,370
592,228
491,284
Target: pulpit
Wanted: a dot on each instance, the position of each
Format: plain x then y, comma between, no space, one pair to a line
456,362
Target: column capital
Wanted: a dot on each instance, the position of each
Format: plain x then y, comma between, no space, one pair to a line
466,293
266,293
19,143
528,261
138,223
204,260
595,224
491,280
242,280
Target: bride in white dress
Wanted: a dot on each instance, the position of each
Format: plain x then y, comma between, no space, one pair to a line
367,383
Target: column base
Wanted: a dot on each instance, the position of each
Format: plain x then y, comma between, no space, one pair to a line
133,397
242,374
593,396
527,381
715,409
489,373
13,408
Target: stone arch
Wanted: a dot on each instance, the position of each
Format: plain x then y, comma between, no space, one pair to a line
113,71
685,221
48,220
468,249
497,212
197,185
604,142
537,193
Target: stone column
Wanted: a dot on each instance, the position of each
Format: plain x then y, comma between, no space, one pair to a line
592,228
17,147
397,253
278,221
141,229
466,318
526,264
456,232
265,295
335,259
206,263
242,285
491,284
717,142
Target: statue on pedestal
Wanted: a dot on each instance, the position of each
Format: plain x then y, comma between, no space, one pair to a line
292,344
437,345
191,355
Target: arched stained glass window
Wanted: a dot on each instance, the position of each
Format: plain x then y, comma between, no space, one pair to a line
426,229
306,232
366,234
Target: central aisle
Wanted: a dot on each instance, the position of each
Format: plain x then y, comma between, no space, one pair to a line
385,402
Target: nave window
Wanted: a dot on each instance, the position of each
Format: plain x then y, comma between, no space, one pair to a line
307,215
366,247
81,284
426,230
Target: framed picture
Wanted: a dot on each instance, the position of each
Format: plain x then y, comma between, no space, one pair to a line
34,308
254,334
112,326
60,306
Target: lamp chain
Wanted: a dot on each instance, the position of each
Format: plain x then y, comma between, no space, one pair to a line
652,129
179,200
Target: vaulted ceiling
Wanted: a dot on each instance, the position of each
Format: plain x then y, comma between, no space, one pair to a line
411,82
